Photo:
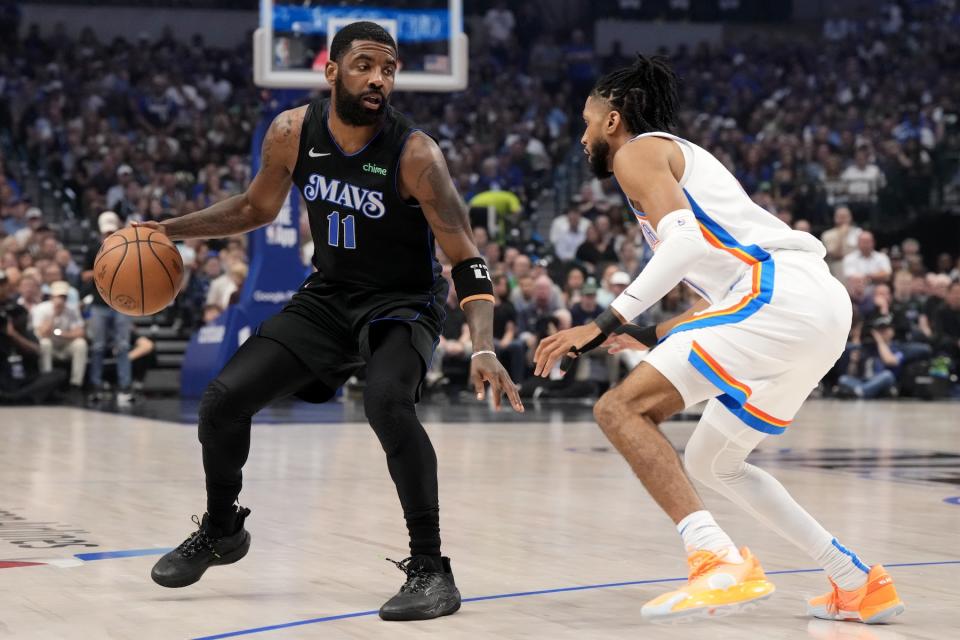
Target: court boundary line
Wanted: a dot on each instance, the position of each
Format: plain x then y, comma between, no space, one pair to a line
522,594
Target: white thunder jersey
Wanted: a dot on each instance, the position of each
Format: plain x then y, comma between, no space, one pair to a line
777,320
740,231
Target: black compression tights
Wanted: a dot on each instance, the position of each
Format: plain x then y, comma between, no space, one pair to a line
263,371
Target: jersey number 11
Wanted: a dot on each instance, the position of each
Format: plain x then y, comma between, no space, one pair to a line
333,231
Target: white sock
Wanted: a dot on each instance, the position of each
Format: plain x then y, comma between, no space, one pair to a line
700,531
843,566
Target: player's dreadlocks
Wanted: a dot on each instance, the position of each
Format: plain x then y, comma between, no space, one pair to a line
645,94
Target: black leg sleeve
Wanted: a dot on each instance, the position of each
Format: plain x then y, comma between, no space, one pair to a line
260,372
393,375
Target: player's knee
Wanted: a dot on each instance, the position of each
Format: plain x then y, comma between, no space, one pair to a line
606,410
698,461
706,463
219,408
615,405
387,405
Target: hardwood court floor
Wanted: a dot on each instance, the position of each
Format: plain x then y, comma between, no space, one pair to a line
529,510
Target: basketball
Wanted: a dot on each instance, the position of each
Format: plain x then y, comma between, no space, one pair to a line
138,271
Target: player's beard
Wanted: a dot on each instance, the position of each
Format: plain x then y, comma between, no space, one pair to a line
599,152
351,110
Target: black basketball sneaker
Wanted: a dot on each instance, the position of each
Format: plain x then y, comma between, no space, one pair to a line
206,547
429,591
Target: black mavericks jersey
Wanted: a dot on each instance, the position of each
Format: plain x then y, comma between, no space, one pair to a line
363,232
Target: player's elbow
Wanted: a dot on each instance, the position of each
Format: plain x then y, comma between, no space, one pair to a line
259,213
680,230
693,245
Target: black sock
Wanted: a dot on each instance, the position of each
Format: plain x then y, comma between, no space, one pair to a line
424,529
224,519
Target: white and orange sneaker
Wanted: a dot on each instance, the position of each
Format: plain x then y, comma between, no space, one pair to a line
714,588
873,603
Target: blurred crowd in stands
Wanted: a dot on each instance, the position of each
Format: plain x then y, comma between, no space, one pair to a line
840,135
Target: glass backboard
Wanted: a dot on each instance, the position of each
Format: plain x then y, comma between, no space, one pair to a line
290,47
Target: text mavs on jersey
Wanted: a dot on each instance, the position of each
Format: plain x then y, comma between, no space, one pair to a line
344,194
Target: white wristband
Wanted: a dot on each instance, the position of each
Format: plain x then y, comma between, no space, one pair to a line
480,353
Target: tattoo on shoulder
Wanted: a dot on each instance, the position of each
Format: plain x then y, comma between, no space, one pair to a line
285,132
285,125
443,198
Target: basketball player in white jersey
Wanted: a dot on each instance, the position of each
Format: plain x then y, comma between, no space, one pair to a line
770,322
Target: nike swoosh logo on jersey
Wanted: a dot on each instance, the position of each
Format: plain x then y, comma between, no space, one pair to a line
314,154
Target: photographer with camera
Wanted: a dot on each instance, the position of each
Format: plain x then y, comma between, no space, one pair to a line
872,364
20,377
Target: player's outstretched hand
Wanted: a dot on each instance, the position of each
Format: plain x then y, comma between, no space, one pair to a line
486,369
554,347
618,342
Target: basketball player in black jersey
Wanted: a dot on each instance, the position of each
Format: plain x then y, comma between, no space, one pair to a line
378,195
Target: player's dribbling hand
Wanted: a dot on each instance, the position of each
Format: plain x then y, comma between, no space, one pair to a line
552,348
148,224
485,368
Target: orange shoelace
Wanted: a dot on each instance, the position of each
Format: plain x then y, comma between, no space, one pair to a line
833,602
703,561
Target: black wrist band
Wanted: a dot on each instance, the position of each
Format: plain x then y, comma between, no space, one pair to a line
608,322
646,336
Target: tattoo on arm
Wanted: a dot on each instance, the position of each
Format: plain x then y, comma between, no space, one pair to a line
443,199
243,212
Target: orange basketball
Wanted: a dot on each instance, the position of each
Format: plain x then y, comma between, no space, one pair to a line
138,271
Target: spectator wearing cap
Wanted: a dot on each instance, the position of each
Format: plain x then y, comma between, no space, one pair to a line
871,366
885,307
60,329
587,308
109,329
618,281
866,261
117,193
33,219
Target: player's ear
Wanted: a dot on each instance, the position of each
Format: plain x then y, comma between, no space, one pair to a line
330,72
612,122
